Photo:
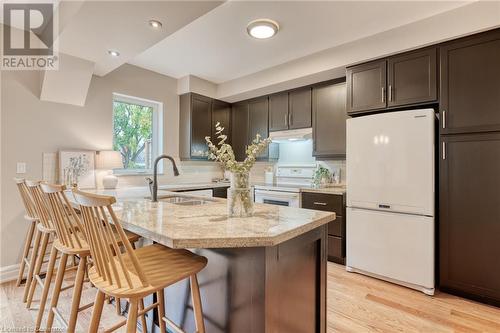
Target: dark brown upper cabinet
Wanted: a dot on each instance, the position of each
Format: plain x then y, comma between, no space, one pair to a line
239,122
469,215
470,84
299,108
329,120
258,117
221,113
412,78
195,125
278,112
198,116
366,86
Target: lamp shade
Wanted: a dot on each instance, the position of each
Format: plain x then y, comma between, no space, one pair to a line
109,159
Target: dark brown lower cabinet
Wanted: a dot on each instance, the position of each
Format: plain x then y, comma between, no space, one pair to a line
469,216
220,192
336,229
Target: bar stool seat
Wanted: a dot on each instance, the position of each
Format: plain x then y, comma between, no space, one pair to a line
162,265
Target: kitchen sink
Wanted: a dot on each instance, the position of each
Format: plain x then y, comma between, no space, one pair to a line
184,201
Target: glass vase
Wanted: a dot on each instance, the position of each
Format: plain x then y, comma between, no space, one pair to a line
240,195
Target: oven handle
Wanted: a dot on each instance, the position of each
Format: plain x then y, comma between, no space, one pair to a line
275,194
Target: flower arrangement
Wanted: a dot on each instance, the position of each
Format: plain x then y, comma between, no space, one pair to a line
239,195
224,153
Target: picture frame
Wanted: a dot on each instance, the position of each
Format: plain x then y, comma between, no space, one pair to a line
77,167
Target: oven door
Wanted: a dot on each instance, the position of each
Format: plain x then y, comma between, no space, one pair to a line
291,199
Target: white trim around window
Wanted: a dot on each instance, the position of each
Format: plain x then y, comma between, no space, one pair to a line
157,135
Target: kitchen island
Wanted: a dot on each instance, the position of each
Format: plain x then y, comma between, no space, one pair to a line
265,273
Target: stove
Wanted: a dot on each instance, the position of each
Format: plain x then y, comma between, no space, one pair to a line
290,178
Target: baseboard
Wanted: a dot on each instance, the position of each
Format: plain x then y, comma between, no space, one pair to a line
9,273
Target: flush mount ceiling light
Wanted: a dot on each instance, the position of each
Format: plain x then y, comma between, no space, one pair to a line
113,53
155,24
263,28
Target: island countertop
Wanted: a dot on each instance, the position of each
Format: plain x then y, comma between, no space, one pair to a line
207,225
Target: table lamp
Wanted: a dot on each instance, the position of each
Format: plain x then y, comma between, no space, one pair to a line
109,160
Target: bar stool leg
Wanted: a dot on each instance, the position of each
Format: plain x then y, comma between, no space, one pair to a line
196,298
132,315
26,251
57,290
96,312
46,287
118,306
160,296
143,317
34,255
77,294
38,268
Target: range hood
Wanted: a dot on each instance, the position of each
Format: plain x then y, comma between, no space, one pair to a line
291,135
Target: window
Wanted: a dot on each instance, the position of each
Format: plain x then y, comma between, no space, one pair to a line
136,132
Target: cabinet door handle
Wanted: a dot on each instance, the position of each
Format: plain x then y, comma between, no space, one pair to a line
444,119
444,150
390,93
319,203
290,118
286,120
383,94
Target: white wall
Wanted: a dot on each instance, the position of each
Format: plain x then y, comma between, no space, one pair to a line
30,127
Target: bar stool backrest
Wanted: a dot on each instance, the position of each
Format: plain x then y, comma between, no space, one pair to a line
96,215
41,204
29,204
65,220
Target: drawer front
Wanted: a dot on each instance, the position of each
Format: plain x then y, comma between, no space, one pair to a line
337,227
336,247
325,202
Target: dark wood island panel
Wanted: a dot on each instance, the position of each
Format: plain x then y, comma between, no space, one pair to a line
271,289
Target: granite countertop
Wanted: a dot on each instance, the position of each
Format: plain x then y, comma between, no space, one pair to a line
339,190
208,226
332,189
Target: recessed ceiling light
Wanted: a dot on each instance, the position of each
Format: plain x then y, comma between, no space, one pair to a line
263,28
113,53
155,24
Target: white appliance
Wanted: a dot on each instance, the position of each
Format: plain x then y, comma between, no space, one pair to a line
290,178
390,197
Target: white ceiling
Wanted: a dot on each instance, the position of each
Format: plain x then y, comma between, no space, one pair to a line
217,48
97,26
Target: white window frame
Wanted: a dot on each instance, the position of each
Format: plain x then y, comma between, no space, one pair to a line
157,135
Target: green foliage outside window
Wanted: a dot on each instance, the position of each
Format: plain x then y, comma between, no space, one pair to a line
132,134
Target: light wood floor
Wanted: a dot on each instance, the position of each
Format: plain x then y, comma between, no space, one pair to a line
356,303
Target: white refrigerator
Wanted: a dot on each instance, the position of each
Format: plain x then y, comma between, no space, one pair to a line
390,197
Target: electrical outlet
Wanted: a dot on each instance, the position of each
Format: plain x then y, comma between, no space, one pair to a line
21,167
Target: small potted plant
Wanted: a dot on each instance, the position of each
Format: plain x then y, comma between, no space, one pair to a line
321,176
239,195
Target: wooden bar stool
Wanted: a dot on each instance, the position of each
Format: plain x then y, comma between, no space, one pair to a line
30,242
133,274
45,231
70,241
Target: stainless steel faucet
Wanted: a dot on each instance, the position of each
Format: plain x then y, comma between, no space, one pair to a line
153,184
